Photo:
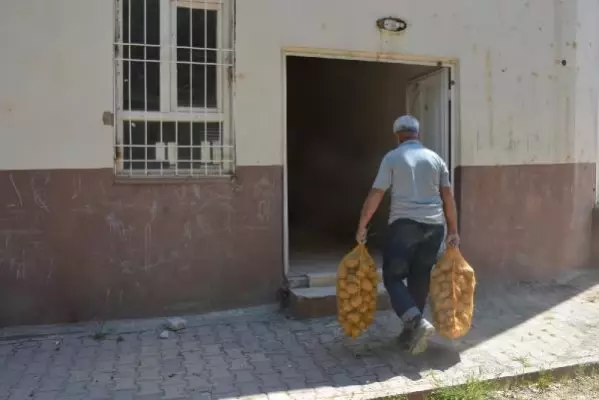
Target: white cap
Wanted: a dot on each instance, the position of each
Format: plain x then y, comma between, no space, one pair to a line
406,123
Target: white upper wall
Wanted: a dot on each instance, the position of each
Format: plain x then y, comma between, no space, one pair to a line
518,104
55,83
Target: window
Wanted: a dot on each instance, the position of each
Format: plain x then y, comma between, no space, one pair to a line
173,61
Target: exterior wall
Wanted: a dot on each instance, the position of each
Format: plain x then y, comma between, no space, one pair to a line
527,88
127,251
76,246
515,108
56,80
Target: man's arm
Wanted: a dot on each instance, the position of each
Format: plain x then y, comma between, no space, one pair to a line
449,209
373,200
371,204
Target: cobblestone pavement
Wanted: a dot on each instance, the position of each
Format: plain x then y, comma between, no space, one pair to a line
521,328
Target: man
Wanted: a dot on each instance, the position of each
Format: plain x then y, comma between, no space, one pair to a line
422,204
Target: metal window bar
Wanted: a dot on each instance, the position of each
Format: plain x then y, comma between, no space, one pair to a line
129,75
145,84
155,127
191,85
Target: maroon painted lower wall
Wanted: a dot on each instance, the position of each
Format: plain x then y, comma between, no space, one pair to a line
595,239
76,246
526,221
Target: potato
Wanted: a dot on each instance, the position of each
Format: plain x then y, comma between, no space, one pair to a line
463,317
452,286
447,303
353,318
356,301
435,291
352,289
357,280
444,295
366,285
342,272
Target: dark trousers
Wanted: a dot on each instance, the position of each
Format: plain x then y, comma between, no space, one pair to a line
411,250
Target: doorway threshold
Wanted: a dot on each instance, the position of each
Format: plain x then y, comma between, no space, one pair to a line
318,270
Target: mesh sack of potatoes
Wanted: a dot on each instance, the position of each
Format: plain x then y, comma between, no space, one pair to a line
452,294
357,281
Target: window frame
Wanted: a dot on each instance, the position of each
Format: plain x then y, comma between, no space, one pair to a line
169,110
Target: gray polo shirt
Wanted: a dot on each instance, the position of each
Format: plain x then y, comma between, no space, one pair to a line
414,174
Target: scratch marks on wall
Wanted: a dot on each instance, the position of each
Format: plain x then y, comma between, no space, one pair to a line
203,225
115,225
187,232
147,244
153,210
61,228
16,189
76,187
264,192
181,194
38,194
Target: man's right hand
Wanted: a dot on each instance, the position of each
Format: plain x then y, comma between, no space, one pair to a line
453,240
361,235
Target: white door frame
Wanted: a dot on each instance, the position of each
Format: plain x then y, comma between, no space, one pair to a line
447,152
450,63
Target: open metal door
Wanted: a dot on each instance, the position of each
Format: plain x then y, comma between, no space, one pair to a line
428,99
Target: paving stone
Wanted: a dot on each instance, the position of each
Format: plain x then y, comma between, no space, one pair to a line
21,394
124,395
201,396
149,387
46,396
274,357
175,392
148,397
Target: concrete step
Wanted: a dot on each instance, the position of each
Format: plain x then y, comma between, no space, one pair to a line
317,279
321,301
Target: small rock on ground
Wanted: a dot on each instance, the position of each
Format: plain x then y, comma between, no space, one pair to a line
176,324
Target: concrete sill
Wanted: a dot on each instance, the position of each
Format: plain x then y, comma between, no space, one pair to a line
172,180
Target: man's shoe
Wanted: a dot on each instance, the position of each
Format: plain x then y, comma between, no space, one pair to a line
423,331
405,338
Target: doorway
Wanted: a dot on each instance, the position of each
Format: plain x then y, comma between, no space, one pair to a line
339,118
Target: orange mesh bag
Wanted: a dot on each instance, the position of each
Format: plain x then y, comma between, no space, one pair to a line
357,281
452,288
